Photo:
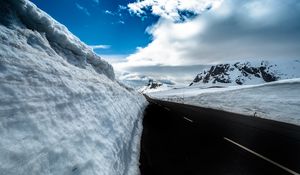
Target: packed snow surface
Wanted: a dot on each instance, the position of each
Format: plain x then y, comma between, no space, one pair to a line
278,101
61,112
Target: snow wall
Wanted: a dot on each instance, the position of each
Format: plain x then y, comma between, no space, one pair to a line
61,111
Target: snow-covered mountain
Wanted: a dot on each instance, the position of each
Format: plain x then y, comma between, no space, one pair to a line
157,85
61,110
247,73
144,83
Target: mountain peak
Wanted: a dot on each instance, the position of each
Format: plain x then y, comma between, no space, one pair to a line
242,73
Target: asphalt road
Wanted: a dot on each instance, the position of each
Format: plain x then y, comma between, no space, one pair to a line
187,140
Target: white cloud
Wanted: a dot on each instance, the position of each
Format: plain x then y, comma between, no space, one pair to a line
117,14
121,7
177,74
83,9
235,30
109,12
229,31
121,22
114,59
172,9
94,47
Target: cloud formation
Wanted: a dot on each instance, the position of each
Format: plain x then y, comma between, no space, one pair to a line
83,9
109,12
117,14
173,10
232,29
94,47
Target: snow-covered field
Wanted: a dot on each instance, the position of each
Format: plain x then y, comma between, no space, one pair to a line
278,101
61,111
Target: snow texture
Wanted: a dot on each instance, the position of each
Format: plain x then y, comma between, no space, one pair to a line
60,110
63,42
278,100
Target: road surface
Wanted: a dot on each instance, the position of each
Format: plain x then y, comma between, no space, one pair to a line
187,140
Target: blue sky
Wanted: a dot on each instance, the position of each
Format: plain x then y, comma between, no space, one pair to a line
101,22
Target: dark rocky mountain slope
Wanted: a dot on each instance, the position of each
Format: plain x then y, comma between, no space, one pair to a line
238,74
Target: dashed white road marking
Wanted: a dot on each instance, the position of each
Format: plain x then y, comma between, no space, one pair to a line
167,109
188,119
262,157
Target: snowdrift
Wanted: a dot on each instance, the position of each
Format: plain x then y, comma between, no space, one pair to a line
58,37
61,112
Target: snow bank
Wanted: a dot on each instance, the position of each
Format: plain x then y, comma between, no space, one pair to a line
60,111
278,101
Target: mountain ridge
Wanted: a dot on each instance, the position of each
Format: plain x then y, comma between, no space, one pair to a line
246,73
